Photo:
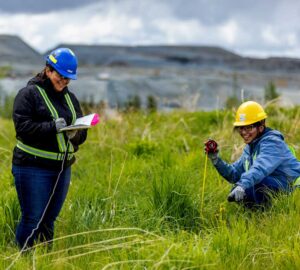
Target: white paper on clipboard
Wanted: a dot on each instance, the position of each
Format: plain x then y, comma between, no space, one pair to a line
81,123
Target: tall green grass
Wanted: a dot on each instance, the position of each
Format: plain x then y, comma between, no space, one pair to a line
135,200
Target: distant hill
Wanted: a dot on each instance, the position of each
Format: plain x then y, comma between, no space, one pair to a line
13,50
160,56
149,55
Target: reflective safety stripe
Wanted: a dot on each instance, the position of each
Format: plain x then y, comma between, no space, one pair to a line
247,163
52,58
59,136
292,149
42,153
70,104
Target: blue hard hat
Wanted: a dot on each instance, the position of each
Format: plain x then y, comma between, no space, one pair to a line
64,61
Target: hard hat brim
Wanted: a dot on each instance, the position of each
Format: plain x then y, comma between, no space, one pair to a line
246,123
66,74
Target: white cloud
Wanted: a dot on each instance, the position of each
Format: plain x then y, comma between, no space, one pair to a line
174,31
130,22
270,36
292,39
228,32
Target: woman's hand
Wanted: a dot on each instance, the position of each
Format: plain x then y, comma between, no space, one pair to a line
60,123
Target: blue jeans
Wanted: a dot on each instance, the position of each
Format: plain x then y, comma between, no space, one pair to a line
34,187
261,193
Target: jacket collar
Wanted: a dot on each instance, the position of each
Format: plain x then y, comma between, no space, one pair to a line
253,144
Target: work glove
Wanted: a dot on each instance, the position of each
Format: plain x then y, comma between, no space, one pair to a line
60,123
71,134
237,194
211,149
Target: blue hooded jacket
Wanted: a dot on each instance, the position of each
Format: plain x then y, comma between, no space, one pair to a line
265,156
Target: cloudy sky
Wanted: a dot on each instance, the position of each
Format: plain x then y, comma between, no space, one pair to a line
259,28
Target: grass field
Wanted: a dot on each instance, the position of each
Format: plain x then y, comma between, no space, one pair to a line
135,201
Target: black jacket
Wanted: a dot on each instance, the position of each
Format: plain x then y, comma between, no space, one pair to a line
35,126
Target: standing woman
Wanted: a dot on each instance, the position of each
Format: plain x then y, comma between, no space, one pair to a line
43,155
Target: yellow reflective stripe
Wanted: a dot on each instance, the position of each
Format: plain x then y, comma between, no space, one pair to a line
61,142
42,153
52,58
70,104
71,148
292,149
48,102
247,163
59,136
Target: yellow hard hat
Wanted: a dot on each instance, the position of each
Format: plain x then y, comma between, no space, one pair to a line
248,113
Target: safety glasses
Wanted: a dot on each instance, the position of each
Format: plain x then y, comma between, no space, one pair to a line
248,128
60,76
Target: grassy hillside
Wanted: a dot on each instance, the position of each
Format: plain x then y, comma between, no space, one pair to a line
135,201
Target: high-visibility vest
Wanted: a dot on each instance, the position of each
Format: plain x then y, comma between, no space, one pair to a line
62,145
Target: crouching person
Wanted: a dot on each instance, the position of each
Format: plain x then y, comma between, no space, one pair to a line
266,166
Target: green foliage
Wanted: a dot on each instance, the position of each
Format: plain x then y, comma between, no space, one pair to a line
143,148
6,106
232,102
133,104
5,71
88,105
135,200
172,202
270,91
151,104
